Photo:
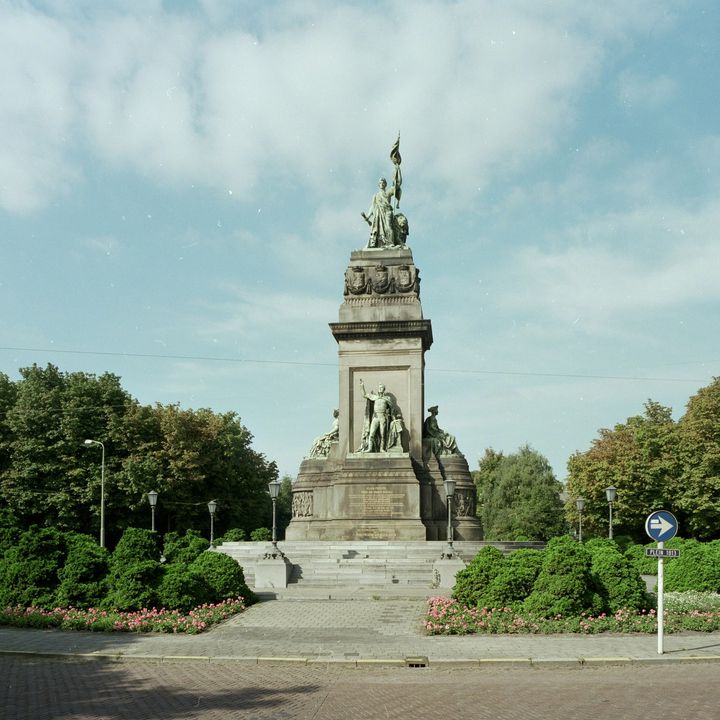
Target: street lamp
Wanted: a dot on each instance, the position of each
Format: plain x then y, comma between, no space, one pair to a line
449,492
580,505
610,494
88,443
212,507
152,499
274,488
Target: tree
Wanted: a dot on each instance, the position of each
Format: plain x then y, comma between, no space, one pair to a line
519,496
698,451
49,478
639,458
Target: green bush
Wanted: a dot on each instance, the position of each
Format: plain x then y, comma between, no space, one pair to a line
224,577
472,582
135,571
515,579
645,565
83,581
135,587
232,535
182,588
697,568
29,570
615,576
565,585
184,548
261,534
135,545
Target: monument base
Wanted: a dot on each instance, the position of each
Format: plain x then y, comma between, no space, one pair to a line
368,496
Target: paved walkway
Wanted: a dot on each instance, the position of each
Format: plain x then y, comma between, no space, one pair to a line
358,632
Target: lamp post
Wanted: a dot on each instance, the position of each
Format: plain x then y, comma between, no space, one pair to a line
449,492
610,494
580,505
88,443
212,507
274,488
152,499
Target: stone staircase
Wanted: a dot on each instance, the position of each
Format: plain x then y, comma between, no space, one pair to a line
362,563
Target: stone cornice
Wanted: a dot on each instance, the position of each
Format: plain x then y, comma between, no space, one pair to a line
384,329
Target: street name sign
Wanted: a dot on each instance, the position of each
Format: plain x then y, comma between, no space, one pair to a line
661,525
661,552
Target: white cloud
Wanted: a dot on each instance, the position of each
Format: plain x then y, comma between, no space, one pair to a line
669,257
296,91
37,110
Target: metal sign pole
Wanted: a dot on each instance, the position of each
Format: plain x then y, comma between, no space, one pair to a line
660,600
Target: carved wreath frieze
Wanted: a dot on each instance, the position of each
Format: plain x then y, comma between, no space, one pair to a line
382,280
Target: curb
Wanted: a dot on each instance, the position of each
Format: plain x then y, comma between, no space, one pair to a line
371,662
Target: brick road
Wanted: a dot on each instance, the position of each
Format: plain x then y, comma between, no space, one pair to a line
44,689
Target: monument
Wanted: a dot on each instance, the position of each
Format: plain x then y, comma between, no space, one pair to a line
379,473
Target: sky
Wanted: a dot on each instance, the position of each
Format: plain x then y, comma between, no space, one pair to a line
181,186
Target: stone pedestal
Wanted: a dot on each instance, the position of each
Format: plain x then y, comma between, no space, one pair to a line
444,571
272,571
372,486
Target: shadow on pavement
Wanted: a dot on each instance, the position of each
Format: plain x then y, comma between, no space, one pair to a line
48,688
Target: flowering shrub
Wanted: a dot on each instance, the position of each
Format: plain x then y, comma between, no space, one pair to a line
153,620
446,616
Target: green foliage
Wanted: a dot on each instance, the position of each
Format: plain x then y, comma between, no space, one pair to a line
184,548
135,571
565,585
639,458
9,530
616,577
649,565
29,569
135,545
83,581
655,463
182,588
223,576
232,535
261,534
515,579
642,564
48,477
698,432
519,496
471,583
134,588
697,568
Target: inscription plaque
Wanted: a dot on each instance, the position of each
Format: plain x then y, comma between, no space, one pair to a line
377,502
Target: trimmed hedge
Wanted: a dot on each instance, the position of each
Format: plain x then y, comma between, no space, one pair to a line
615,576
184,548
472,582
29,570
83,578
565,585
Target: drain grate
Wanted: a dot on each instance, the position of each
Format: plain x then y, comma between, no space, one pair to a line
416,662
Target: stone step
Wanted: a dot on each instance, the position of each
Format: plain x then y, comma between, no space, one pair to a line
373,563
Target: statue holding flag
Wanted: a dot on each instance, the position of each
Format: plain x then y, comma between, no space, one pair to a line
387,228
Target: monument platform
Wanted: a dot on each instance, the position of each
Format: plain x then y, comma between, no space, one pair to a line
361,564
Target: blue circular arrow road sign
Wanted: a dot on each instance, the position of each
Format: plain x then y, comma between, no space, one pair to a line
661,525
